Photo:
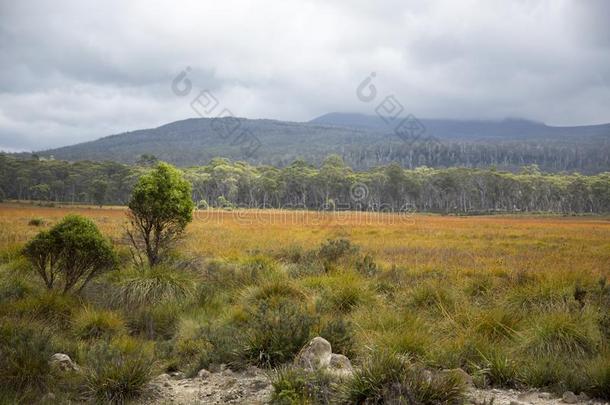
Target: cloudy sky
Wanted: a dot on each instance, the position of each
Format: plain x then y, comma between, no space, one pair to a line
73,71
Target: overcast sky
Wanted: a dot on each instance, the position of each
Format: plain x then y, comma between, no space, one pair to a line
73,71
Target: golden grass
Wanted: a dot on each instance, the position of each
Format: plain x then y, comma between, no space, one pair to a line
495,244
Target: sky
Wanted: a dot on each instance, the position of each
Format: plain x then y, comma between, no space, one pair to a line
73,71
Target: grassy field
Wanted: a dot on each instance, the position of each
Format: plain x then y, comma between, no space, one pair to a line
516,301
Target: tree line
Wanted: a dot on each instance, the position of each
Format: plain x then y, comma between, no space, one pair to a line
332,185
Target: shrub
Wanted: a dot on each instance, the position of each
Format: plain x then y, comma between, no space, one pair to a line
388,378
598,373
367,266
340,333
25,349
333,250
155,322
297,386
118,370
36,222
159,210
94,324
153,285
277,332
561,334
48,306
74,251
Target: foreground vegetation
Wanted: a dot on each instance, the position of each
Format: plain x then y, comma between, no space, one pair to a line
516,302
331,186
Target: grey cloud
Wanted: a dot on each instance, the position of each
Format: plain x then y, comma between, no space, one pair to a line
73,71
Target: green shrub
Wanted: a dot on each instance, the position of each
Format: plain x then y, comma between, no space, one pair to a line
367,266
48,306
118,370
93,324
25,349
297,386
36,222
276,332
154,322
561,334
388,378
340,333
333,250
72,252
598,373
144,287
14,288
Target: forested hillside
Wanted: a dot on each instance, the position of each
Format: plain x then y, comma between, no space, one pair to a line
331,185
363,142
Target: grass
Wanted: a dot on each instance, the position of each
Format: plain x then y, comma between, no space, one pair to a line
516,301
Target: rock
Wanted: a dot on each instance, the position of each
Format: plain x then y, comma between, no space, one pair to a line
513,402
314,355
545,395
583,397
177,375
569,397
204,374
340,365
63,362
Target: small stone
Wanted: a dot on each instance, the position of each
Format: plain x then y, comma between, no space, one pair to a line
204,374
178,375
63,362
583,397
569,397
517,403
545,395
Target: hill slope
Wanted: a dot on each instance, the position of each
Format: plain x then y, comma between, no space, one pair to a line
363,141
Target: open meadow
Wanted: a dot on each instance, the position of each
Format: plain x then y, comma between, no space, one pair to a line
516,301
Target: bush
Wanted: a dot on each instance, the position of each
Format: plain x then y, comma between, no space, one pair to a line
153,285
333,250
118,370
25,349
297,386
36,222
277,332
340,333
155,322
49,306
598,373
95,324
561,334
388,378
73,251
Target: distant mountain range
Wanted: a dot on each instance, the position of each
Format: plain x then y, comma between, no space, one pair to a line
363,141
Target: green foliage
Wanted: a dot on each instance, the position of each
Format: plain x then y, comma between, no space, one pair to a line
36,222
25,349
94,324
296,386
333,250
561,334
388,378
277,331
160,208
118,370
149,286
72,252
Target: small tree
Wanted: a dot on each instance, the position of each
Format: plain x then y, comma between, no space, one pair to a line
160,208
72,253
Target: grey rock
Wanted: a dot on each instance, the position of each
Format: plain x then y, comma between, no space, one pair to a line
569,397
314,355
340,365
204,374
63,362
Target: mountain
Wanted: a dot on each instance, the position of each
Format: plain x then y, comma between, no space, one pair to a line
363,142
510,129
